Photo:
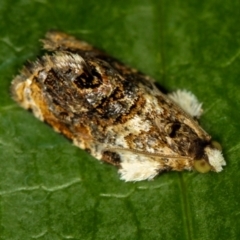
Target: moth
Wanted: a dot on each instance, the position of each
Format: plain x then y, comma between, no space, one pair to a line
115,112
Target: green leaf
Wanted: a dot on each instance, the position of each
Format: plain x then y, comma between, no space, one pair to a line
50,189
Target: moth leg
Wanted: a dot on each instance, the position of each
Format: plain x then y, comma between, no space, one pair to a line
139,170
132,166
188,102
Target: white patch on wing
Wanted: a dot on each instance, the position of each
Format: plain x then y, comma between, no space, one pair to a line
187,101
136,125
133,126
215,158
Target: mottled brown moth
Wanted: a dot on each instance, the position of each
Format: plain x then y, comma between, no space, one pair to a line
115,112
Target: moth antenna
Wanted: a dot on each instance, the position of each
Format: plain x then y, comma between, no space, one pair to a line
149,154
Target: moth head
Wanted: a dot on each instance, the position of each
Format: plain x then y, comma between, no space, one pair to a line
214,160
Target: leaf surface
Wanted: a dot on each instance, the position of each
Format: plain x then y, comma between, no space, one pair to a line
50,189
